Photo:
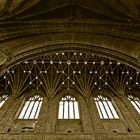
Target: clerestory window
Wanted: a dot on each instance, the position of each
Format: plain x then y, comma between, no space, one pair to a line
31,108
135,102
3,98
105,108
68,108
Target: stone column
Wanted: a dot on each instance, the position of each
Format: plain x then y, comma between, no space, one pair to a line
10,113
96,121
42,121
127,116
85,115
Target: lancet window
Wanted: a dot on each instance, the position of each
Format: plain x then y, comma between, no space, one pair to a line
135,102
105,108
31,108
3,98
68,108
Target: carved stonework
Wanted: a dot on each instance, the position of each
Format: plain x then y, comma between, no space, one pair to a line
3,58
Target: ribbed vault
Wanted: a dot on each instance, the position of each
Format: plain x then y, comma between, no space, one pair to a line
80,71
104,31
114,10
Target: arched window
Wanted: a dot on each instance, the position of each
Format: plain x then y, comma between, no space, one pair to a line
135,102
3,98
31,108
68,108
105,108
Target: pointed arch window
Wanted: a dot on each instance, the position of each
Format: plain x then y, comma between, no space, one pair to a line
135,102
3,98
68,108
105,108
31,108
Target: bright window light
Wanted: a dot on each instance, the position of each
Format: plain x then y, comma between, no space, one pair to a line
105,108
3,98
68,108
31,108
135,102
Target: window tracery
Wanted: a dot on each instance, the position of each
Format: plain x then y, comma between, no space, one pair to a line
3,98
135,101
31,108
68,108
105,108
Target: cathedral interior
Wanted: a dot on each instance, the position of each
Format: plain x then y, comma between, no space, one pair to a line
69,69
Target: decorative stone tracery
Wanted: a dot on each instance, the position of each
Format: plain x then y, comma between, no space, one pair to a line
83,72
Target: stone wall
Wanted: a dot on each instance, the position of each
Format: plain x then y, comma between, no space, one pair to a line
88,127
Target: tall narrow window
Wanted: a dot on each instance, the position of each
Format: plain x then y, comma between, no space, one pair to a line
135,102
68,108
3,98
105,108
31,108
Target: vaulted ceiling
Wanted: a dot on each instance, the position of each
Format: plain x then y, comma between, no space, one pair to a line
123,10
84,73
109,28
